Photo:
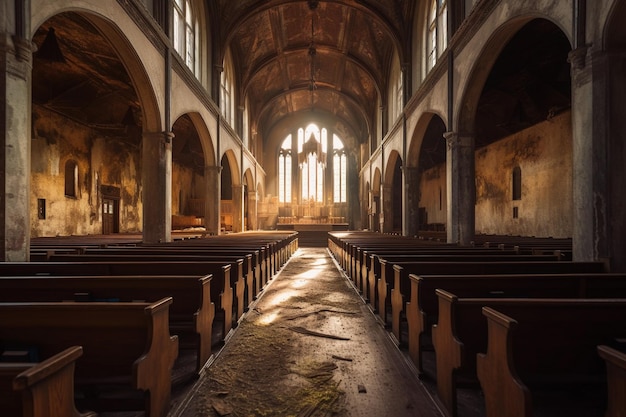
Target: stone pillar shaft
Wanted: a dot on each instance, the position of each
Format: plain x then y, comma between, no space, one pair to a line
212,199
461,186
252,210
157,186
411,178
15,138
237,208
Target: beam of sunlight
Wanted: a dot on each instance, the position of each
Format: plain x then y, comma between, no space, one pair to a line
311,273
281,297
268,319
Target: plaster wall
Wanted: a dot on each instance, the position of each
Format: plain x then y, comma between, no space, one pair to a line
544,155
186,185
100,161
432,194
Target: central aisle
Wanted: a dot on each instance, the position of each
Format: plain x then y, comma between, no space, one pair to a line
309,347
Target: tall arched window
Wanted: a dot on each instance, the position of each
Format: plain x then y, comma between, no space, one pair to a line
71,178
340,171
226,92
312,151
395,93
284,171
312,160
186,33
437,33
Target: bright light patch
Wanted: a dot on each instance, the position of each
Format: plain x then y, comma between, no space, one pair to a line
268,319
311,273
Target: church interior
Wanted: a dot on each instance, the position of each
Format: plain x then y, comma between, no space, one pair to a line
253,129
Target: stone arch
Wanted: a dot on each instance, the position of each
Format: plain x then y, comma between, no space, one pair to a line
92,81
231,194
393,193
425,176
249,201
520,83
376,201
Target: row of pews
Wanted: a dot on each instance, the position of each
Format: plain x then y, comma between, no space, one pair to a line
117,326
527,330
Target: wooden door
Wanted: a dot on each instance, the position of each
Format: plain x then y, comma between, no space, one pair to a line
110,217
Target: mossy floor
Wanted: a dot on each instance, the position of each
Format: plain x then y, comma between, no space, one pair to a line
308,347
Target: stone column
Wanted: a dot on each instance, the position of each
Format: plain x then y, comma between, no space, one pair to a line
252,210
157,186
212,199
15,137
461,197
237,208
386,201
583,143
411,200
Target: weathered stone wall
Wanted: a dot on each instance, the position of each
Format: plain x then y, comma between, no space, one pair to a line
110,161
544,155
433,195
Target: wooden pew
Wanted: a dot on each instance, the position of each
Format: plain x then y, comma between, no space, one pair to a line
237,280
422,311
221,290
402,287
44,388
123,343
548,344
615,361
381,284
192,312
461,333
251,267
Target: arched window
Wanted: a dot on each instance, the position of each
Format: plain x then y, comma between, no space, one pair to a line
340,173
437,33
312,160
395,94
284,171
312,145
226,92
186,33
517,183
71,178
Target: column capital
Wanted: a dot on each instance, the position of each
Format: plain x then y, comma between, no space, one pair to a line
165,137
456,140
578,57
18,54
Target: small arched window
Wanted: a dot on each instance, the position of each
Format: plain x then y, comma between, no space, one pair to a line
71,178
517,183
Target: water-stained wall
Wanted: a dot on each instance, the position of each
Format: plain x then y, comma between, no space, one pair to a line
543,154
105,159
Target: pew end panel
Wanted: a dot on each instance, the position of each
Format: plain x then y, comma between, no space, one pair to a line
616,380
501,393
45,388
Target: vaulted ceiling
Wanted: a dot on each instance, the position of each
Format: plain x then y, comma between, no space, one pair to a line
327,57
